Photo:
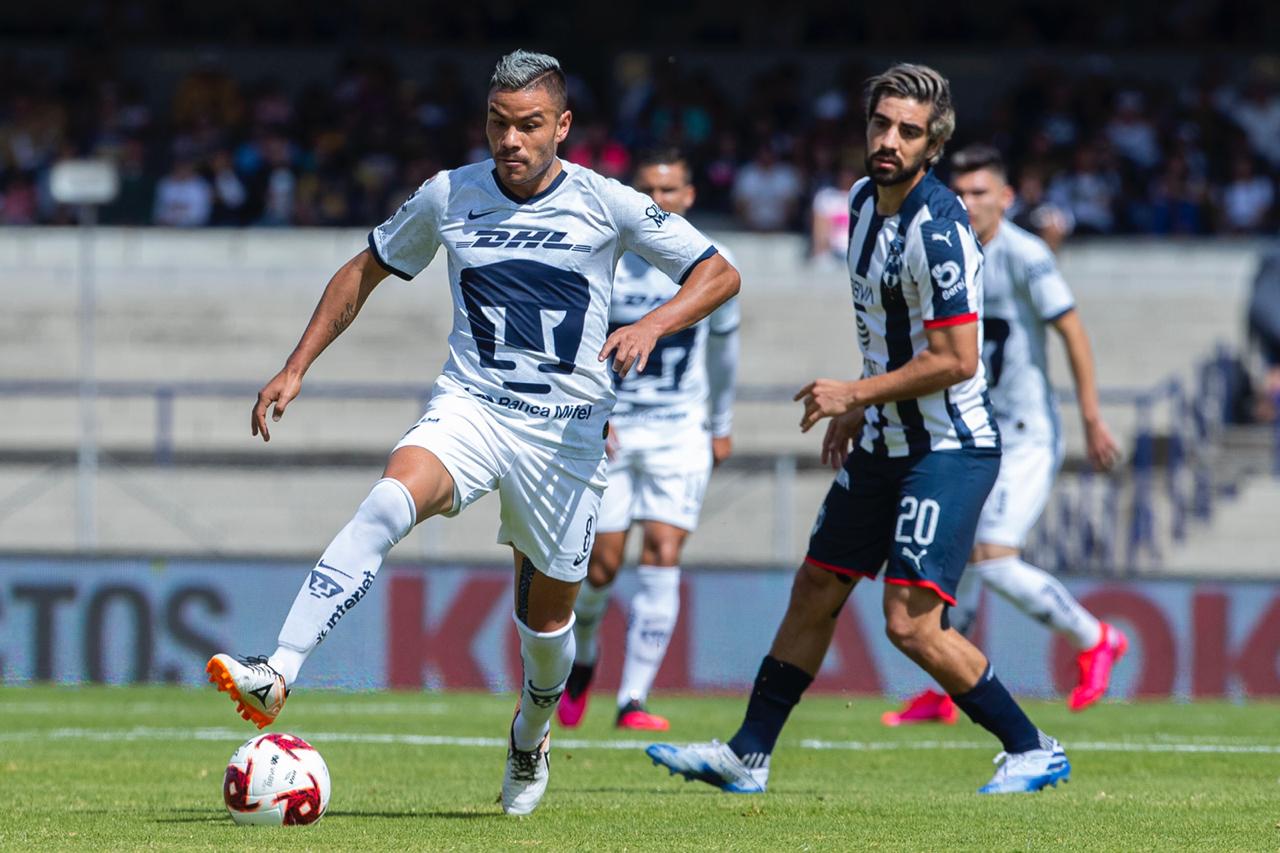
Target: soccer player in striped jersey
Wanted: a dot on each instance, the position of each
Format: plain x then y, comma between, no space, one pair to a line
672,423
927,452
1023,295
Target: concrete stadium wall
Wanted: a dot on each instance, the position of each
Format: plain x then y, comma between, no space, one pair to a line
229,305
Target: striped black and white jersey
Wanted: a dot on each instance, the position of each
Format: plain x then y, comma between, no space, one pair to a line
916,270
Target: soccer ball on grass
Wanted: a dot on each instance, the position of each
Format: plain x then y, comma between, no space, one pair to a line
276,779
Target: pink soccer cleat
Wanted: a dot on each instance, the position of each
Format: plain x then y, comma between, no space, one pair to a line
1095,667
633,716
573,704
928,707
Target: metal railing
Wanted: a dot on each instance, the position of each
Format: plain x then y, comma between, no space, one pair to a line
1105,523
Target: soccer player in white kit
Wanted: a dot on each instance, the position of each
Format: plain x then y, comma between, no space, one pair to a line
1024,294
523,402
672,423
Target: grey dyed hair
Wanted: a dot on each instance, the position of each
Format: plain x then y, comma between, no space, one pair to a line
919,83
522,69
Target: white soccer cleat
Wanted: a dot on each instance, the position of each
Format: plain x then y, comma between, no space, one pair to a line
714,763
525,781
257,689
1030,771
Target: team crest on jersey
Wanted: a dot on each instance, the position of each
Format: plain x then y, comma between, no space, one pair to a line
891,278
657,214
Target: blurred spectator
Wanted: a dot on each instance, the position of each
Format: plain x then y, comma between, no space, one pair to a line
595,150
1088,192
1033,211
830,223
1264,328
766,192
1258,114
1131,132
1247,200
183,198
1178,201
229,193
135,203
18,200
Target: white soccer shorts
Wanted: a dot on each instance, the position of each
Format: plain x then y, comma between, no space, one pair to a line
550,500
1027,472
659,473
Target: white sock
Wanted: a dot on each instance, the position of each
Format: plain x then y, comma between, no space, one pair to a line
344,574
968,595
1042,597
589,609
649,627
547,661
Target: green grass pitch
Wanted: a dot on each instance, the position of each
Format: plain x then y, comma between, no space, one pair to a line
133,768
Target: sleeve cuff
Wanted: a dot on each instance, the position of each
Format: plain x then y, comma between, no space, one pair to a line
1058,315
958,320
711,250
377,256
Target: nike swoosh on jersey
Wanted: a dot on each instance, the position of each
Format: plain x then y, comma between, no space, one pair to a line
473,215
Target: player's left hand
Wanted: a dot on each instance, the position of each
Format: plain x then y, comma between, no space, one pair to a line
630,345
721,449
1100,446
825,398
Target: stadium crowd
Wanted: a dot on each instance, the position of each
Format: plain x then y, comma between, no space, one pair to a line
1090,153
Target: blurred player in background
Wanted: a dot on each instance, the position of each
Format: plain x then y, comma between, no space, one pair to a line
1023,295
671,424
523,402
927,454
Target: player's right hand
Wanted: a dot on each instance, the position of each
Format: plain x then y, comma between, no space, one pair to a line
281,390
841,433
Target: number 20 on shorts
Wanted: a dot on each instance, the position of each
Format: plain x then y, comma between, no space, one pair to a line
924,514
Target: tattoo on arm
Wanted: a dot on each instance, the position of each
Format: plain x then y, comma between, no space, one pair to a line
344,319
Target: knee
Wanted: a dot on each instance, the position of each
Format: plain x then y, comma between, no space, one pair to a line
603,568
903,631
818,592
662,549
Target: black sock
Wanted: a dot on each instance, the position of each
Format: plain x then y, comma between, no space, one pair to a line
778,688
989,705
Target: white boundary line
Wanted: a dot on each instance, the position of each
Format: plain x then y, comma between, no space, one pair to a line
234,735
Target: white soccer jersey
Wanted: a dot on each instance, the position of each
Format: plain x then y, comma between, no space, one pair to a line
531,281
1023,293
918,269
677,372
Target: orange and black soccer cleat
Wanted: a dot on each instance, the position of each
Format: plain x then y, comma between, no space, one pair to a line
256,688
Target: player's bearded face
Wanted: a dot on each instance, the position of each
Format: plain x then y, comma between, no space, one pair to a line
523,130
897,141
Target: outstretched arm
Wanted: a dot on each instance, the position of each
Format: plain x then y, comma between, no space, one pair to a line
711,283
1099,444
338,306
951,357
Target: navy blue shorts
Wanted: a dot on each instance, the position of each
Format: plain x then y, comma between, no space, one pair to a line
920,513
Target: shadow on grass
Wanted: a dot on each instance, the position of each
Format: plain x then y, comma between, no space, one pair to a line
439,813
